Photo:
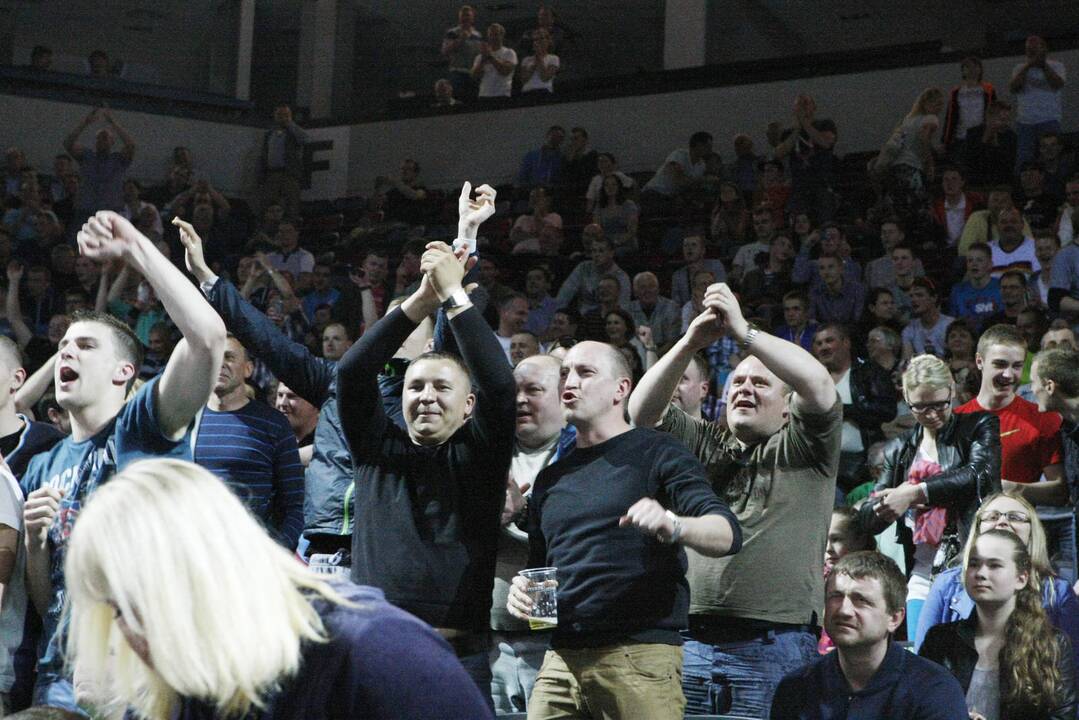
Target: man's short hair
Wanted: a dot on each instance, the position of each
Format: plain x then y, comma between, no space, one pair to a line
926,284
872,565
1014,275
796,295
904,245
1060,365
579,129
1000,334
982,248
891,337
337,323
700,138
438,356
619,366
609,156
611,276
957,169
506,300
128,345
894,220
10,353
551,129
701,363
874,295
838,328
545,269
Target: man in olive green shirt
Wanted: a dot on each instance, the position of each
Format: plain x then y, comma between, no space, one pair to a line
754,615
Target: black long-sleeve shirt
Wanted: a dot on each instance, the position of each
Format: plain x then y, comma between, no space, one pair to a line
427,518
615,583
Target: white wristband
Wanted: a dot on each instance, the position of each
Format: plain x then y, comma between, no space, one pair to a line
461,242
677,532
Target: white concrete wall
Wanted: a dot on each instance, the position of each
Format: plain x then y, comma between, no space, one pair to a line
486,147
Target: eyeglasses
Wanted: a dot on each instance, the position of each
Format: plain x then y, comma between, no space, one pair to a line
930,407
1012,516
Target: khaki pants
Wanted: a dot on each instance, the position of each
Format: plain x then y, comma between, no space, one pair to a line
616,682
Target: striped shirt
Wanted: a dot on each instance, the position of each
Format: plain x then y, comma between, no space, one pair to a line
254,451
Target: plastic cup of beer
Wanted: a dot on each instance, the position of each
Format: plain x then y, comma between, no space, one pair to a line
543,591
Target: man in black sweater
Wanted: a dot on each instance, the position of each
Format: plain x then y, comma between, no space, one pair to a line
605,516
428,499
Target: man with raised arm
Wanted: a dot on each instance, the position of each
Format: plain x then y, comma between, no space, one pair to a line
429,496
328,479
98,362
754,616
613,517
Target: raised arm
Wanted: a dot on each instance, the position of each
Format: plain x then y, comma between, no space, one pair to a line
814,389
192,369
650,398
35,386
128,150
101,302
23,335
308,376
71,142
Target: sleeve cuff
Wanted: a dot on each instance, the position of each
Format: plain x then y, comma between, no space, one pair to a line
208,285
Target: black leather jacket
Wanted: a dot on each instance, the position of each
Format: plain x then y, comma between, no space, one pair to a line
968,447
952,645
873,400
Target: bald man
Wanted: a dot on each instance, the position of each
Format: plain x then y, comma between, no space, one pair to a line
597,516
542,438
657,312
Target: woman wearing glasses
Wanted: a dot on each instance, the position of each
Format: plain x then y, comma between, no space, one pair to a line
949,602
934,476
1011,663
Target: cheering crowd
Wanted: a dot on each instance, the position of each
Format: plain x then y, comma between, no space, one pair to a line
815,457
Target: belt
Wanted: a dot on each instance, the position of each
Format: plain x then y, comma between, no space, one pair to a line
465,642
715,630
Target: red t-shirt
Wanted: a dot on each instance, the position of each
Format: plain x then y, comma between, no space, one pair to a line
1029,440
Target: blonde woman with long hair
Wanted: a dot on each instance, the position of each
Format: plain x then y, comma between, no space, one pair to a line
949,602
934,476
907,184
181,606
1011,663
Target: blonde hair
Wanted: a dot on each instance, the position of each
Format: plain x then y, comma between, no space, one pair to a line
927,96
167,548
1037,547
927,371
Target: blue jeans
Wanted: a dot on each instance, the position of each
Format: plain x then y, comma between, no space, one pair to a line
1027,137
1059,525
516,658
740,678
57,692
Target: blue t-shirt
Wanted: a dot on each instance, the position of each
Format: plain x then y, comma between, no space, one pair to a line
978,304
79,468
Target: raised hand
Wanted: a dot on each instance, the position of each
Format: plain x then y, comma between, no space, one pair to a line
644,334
107,236
193,252
443,268
15,271
471,212
720,297
705,329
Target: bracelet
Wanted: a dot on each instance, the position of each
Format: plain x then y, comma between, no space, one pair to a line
676,534
751,335
458,299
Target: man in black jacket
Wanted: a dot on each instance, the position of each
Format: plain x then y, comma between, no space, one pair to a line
868,400
429,498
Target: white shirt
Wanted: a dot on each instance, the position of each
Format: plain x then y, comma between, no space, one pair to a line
1021,258
1037,102
13,609
536,82
1065,231
852,436
956,216
663,183
971,110
505,343
494,83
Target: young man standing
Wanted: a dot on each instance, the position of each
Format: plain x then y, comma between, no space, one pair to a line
978,296
616,650
868,675
99,360
928,327
1029,440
